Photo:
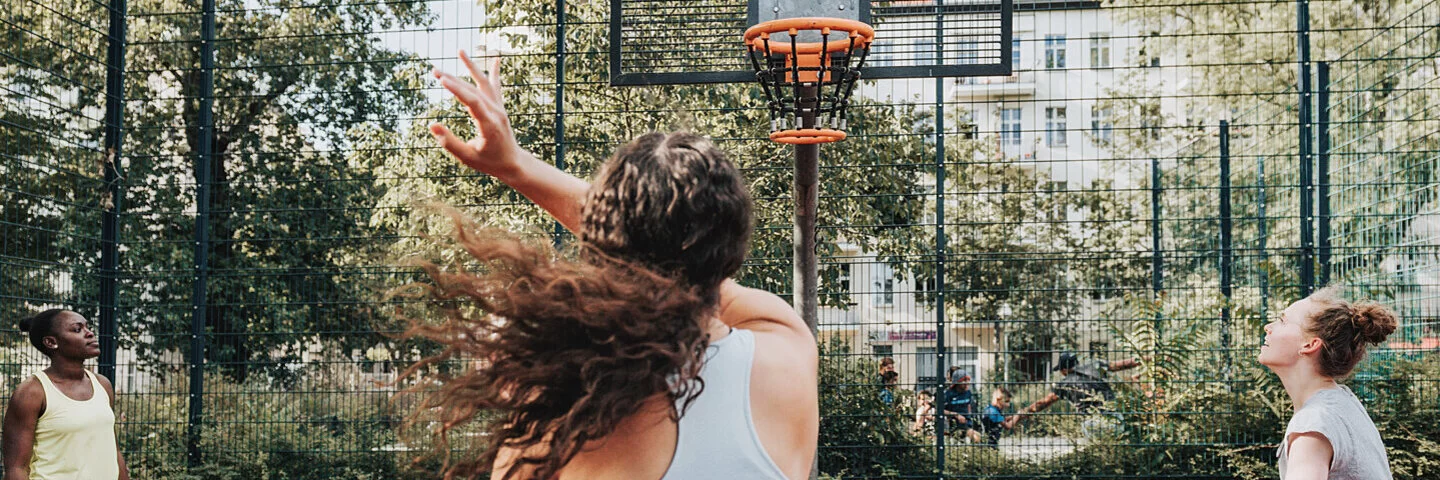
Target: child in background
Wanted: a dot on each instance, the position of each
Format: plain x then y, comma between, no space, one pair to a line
993,422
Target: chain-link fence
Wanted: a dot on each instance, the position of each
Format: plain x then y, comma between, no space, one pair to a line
229,188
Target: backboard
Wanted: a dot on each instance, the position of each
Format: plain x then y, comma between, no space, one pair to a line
669,42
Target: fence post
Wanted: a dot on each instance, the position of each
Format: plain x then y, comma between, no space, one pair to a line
1307,174
1157,260
1227,251
1322,74
940,244
1263,232
110,223
557,230
203,162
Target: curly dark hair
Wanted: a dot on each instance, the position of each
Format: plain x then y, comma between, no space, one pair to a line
566,346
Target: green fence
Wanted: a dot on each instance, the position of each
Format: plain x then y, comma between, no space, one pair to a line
228,188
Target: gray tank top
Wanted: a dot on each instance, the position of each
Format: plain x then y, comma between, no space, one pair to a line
717,438
1339,416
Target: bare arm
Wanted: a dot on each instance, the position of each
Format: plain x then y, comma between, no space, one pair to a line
119,456
1126,364
1039,405
1310,455
18,441
495,152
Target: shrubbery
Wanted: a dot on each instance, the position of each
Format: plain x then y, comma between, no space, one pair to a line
1207,429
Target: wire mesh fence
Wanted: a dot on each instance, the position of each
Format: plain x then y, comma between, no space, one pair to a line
1153,182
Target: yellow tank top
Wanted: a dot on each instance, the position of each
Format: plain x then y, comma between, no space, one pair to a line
75,440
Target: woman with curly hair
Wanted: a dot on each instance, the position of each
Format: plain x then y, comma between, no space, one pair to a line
1312,344
639,358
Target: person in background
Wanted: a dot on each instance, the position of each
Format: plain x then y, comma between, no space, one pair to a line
958,403
60,424
924,413
888,382
993,421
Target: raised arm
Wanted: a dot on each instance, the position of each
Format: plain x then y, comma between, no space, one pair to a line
1126,364
495,152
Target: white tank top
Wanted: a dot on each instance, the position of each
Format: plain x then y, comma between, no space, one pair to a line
717,438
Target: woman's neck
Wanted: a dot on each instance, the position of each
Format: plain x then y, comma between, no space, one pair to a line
66,369
1303,385
717,329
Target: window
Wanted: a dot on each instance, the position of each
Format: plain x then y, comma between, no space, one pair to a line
1010,127
882,351
1150,57
1099,50
924,50
967,358
1054,51
1055,126
843,278
969,52
1150,120
1015,54
1102,127
1057,203
881,55
884,281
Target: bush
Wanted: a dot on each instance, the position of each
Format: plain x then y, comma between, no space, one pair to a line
860,435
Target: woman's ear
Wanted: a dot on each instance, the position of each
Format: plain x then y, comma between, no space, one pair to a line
1312,346
50,343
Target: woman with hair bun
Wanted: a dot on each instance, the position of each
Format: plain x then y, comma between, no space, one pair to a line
60,424
1315,342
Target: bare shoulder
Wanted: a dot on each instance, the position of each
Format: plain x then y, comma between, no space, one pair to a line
760,311
29,397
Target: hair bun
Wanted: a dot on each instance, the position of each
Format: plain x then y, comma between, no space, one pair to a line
25,324
1375,321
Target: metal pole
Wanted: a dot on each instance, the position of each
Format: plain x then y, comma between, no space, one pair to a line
1157,259
203,163
940,243
807,197
1307,187
557,230
1322,73
1227,251
110,222
1264,236
940,261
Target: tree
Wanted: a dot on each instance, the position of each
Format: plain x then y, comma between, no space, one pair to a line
51,130
289,215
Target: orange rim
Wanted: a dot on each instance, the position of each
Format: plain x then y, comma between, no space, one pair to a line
807,136
861,32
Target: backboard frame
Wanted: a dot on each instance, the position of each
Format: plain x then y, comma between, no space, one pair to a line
1005,8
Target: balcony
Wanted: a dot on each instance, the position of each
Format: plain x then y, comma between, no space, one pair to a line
1018,84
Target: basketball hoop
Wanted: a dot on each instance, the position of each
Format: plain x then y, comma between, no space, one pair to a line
808,84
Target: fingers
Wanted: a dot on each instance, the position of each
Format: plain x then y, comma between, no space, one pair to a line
489,84
483,111
495,79
452,143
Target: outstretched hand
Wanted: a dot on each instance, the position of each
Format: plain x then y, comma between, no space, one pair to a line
494,150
